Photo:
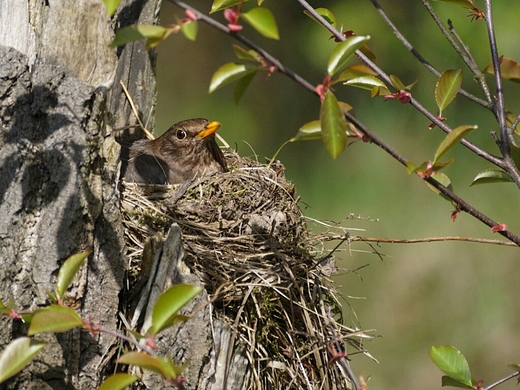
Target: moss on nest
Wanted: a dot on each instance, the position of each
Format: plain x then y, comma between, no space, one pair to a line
246,238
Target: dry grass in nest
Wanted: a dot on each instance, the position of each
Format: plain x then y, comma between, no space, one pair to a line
246,238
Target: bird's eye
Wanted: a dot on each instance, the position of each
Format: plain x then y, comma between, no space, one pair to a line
181,134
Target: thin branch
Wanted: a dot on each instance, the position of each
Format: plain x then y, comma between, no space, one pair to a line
461,203
422,60
418,106
500,381
500,111
274,61
461,51
427,239
472,65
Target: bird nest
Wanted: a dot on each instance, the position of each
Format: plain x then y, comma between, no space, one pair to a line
247,240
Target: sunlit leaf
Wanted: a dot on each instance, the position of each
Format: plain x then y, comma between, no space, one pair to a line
442,179
343,52
365,82
162,366
111,6
325,14
452,363
228,73
509,68
353,72
461,3
246,55
333,125
309,131
169,303
118,381
262,20
397,83
145,361
242,85
492,176
54,318
67,272
17,355
190,29
452,139
136,32
219,5
447,87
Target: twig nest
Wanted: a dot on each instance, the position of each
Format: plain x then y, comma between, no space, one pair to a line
246,238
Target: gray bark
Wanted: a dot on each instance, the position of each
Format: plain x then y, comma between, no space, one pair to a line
59,165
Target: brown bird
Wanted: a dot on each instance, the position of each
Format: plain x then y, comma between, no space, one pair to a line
185,151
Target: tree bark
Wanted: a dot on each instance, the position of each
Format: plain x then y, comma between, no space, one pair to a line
59,98
60,102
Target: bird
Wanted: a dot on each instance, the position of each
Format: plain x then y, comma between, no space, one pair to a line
187,150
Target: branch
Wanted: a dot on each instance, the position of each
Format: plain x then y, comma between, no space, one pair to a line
419,107
423,240
500,381
423,61
500,111
462,52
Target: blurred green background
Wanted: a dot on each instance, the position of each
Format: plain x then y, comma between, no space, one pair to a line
420,295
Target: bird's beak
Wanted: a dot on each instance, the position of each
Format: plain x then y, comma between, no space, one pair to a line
211,128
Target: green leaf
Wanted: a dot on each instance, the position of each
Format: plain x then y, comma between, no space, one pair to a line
246,55
447,87
54,318
365,82
169,303
343,52
111,6
325,14
444,180
451,362
447,381
262,20
219,5
242,85
353,72
514,367
461,3
509,69
164,367
492,176
17,355
397,83
452,139
136,32
67,272
190,29
333,125
228,73
309,131
118,381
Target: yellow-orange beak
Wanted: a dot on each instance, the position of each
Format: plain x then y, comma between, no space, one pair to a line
211,128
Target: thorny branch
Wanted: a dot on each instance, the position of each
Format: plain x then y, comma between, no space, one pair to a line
463,205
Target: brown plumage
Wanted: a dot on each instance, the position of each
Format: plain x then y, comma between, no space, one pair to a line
186,151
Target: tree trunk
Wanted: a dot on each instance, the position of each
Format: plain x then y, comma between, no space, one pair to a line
60,98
